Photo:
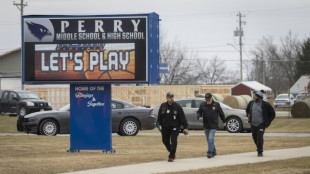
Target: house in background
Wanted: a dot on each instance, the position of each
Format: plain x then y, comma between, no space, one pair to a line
300,85
248,88
10,70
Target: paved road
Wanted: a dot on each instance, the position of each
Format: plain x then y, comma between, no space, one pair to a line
199,163
191,134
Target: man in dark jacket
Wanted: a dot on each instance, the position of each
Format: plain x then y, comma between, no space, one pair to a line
170,118
260,114
209,112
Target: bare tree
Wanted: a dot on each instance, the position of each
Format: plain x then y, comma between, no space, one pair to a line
212,71
181,68
274,65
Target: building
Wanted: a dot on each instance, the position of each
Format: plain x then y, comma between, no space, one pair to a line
300,85
247,88
10,70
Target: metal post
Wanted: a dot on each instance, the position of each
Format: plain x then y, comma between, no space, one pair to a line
240,44
21,9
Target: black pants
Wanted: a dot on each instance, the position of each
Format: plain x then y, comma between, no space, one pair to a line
170,139
258,136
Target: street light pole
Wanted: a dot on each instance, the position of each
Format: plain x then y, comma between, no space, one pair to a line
239,32
240,44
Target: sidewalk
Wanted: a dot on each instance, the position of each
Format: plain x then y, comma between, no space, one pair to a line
203,162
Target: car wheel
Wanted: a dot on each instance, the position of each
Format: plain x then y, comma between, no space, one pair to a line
22,111
48,127
233,125
129,127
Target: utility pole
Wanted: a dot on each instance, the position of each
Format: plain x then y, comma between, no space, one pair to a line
20,7
239,32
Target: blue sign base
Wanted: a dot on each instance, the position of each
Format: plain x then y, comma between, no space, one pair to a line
90,118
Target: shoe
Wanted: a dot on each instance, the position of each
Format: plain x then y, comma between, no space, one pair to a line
214,154
210,155
174,157
260,155
170,160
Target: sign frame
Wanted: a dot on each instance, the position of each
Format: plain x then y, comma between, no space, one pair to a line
151,45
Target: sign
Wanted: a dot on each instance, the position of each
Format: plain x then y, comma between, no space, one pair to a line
163,68
90,117
91,49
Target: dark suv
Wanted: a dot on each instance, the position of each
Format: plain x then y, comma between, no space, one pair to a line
22,103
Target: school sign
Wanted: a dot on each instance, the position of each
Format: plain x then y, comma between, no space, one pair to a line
90,53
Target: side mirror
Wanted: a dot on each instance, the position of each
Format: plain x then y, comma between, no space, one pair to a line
15,98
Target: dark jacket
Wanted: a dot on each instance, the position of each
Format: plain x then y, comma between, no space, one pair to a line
268,112
210,113
171,115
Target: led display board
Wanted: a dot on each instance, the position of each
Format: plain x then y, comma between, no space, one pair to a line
91,49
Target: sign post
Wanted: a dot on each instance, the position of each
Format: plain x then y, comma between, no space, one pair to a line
90,117
90,53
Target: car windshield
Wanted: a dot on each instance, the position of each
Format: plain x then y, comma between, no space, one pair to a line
285,96
65,108
28,95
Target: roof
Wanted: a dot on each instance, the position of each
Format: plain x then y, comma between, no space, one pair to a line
255,86
10,52
300,84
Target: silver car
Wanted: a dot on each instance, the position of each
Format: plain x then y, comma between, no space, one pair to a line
236,120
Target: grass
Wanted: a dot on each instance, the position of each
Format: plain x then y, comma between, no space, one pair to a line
290,166
8,124
290,125
42,154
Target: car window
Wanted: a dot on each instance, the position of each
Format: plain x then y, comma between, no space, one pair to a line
198,103
5,95
223,106
28,95
116,105
285,96
12,95
185,103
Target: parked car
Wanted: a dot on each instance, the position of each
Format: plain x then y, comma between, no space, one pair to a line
302,96
236,120
127,120
22,102
283,100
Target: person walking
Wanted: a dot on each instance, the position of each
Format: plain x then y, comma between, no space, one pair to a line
260,114
170,118
208,112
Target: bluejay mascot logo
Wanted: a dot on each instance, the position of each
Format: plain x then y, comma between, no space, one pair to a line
39,31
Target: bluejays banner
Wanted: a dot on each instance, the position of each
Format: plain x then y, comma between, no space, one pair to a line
98,49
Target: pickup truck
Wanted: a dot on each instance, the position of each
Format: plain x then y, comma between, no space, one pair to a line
22,102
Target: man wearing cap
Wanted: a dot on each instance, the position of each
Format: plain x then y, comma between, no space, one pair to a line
170,118
208,112
260,114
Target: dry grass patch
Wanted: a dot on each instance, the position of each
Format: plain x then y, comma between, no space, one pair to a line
8,124
290,166
42,154
291,125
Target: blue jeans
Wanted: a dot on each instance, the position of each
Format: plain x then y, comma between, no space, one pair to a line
210,133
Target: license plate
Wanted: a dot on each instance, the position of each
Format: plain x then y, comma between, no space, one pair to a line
41,109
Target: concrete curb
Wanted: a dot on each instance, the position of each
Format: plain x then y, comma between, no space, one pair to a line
203,162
